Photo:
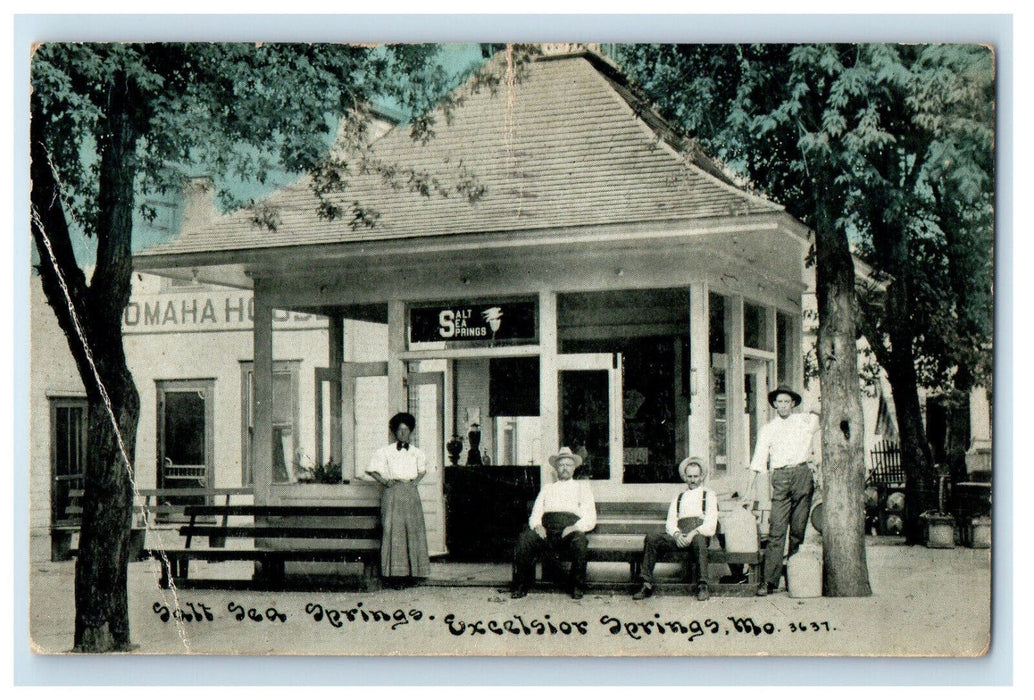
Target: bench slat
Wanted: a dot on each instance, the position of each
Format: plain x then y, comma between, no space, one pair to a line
283,511
629,528
607,508
275,532
169,493
354,548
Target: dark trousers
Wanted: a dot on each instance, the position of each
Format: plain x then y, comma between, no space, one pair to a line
551,550
659,543
792,488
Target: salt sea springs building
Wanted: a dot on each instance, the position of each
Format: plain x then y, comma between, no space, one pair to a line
611,290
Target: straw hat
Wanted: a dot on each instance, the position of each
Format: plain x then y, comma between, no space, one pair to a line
565,453
692,460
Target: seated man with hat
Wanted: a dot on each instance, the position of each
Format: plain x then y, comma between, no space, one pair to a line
786,449
692,519
563,512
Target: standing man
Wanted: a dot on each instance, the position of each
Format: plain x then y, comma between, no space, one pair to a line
563,512
785,449
692,519
398,467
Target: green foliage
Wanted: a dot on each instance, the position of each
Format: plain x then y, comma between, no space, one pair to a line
329,473
902,135
114,123
228,110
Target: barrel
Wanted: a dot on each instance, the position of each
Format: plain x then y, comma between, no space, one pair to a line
740,529
818,516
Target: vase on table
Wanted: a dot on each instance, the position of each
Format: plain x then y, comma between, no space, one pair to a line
474,453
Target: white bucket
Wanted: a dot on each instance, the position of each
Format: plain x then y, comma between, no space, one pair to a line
804,573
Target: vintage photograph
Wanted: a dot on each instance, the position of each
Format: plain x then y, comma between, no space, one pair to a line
490,349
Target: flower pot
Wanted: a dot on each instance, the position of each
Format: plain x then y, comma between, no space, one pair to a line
977,532
940,531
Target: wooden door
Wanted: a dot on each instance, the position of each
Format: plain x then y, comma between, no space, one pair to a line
427,404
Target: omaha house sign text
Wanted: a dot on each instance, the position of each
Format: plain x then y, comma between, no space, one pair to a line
204,311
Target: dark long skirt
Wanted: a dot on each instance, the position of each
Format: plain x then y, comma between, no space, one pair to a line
404,537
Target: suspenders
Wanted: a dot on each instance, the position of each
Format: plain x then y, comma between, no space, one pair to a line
703,504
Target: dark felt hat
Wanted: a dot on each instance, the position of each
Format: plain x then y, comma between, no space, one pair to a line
784,389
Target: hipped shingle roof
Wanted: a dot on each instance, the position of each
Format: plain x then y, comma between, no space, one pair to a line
566,145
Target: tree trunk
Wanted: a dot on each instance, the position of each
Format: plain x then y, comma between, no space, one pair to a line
845,571
965,271
101,572
91,319
958,438
899,361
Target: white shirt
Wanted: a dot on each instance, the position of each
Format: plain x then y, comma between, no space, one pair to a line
571,496
690,504
786,441
393,463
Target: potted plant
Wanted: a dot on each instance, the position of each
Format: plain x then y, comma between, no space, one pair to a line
939,525
329,473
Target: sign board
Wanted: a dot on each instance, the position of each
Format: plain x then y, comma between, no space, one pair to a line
205,311
490,322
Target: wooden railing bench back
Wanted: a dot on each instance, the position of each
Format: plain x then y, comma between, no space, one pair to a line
274,535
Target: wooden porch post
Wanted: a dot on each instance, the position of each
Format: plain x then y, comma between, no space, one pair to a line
700,373
739,447
262,379
335,358
548,386
396,367
797,345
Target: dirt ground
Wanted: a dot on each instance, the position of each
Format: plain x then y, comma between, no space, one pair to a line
925,602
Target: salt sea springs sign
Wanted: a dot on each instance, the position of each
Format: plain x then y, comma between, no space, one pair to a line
489,322
204,311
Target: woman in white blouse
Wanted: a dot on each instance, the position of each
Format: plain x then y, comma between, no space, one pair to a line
399,467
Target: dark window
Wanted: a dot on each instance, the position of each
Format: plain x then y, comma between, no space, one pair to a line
785,350
585,419
513,386
648,407
185,427
716,325
755,327
68,451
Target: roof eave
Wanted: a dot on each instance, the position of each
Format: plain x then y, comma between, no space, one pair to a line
639,231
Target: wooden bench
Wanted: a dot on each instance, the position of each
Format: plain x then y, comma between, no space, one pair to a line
153,512
275,535
158,507
65,527
621,528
